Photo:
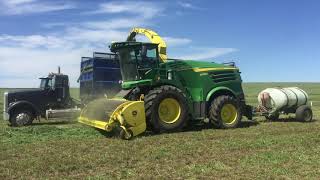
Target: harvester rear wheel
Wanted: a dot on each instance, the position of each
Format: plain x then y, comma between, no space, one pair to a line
225,112
166,109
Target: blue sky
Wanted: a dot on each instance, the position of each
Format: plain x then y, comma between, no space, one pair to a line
274,40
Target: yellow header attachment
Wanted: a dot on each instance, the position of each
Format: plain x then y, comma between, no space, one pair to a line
107,114
153,37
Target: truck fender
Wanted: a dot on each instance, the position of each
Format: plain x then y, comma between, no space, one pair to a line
217,90
23,103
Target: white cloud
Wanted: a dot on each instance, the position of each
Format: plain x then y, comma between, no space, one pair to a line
17,7
140,8
172,41
117,23
24,66
24,58
32,56
34,41
16,2
205,53
56,24
79,35
187,5
35,55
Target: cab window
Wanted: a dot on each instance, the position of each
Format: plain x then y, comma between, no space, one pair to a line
46,83
152,53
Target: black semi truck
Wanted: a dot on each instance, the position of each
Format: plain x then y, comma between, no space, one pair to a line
99,76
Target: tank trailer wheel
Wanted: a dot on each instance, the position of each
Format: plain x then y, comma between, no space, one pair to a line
166,109
273,117
304,113
21,118
225,112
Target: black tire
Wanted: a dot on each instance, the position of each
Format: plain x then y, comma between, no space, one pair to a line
152,102
304,113
215,112
21,117
134,95
124,135
272,117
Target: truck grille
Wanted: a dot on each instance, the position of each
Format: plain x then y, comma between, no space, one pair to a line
222,76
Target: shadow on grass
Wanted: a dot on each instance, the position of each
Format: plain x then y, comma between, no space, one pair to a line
111,134
290,119
53,123
248,123
196,126
202,126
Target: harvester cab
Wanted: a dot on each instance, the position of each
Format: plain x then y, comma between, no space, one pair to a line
138,61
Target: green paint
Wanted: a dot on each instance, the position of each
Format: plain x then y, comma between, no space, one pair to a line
198,80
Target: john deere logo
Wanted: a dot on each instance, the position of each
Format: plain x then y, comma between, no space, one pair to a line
134,113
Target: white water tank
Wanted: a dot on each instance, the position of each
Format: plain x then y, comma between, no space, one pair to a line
274,99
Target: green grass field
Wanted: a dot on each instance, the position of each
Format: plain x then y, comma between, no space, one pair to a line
54,150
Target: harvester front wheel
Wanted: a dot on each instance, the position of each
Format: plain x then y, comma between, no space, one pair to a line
166,109
225,112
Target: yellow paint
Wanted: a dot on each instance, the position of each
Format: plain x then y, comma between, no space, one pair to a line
129,115
229,114
169,110
95,123
212,69
154,38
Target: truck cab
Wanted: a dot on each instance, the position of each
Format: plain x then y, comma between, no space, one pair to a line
21,107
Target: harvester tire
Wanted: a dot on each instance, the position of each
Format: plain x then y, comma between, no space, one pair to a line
166,109
21,117
304,114
225,112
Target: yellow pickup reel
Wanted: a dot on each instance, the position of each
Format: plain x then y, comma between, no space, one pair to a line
109,114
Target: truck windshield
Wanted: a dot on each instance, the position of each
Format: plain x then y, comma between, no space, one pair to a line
136,61
45,83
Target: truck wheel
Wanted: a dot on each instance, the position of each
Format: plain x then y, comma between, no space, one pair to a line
166,109
304,113
273,117
225,112
21,118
